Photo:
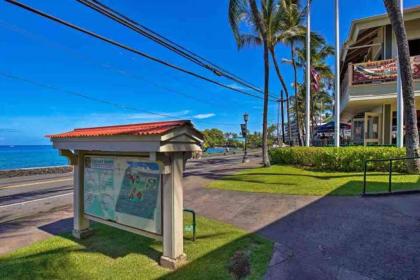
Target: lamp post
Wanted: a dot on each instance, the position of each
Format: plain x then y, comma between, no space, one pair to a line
244,128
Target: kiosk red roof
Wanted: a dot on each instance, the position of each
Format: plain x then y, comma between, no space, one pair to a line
154,128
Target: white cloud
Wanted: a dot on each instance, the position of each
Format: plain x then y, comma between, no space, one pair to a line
204,116
237,86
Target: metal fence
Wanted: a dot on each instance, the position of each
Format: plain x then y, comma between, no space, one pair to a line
390,175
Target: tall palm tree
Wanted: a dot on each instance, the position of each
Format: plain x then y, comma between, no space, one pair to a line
257,21
321,100
410,114
288,30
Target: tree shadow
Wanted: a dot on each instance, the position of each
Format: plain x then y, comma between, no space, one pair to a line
343,237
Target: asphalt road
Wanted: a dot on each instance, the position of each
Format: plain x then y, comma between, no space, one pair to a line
29,195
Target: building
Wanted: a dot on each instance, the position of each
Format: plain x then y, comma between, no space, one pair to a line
368,77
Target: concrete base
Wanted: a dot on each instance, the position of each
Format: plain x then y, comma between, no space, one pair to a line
82,234
173,263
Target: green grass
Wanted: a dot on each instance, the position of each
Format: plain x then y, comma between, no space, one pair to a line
114,254
284,179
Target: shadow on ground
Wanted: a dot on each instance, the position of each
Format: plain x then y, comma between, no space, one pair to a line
348,238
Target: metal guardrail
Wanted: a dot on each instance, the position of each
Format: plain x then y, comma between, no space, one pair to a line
194,225
390,170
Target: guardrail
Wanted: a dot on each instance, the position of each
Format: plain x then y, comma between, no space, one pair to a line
390,170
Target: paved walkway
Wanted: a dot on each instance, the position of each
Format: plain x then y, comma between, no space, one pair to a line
316,237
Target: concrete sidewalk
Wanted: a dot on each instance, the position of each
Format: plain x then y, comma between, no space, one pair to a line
316,237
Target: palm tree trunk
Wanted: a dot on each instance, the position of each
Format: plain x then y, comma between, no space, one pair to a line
266,160
410,113
292,47
283,84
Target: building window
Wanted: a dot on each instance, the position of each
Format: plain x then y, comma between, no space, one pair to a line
414,46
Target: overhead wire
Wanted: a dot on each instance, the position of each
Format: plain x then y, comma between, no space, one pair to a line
115,43
158,38
33,82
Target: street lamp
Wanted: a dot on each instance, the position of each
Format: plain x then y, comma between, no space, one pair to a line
244,129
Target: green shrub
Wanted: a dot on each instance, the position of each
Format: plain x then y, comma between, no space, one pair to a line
345,159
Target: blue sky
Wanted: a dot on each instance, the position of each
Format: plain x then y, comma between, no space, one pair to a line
39,50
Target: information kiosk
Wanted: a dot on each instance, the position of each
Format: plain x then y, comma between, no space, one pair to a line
130,177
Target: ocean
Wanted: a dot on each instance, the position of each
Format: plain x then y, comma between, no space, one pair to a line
19,156
13,157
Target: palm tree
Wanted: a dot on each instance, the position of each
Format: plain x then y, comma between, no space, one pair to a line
257,21
410,113
288,30
321,99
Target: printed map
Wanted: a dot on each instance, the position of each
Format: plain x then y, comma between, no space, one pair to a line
124,190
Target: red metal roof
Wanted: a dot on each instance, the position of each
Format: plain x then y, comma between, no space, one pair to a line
154,128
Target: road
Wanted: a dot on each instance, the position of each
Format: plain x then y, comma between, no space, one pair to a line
29,195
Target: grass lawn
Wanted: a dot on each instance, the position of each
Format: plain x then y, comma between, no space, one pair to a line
114,254
286,179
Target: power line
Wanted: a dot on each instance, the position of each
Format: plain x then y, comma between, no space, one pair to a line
115,43
98,100
93,61
148,33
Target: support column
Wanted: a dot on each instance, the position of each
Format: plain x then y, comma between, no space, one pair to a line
308,77
173,242
80,223
337,75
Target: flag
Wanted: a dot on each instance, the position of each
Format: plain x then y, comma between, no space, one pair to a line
315,78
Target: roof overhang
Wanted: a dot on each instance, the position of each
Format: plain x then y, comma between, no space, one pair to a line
180,139
374,22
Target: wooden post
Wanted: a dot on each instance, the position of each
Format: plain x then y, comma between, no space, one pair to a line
173,243
80,223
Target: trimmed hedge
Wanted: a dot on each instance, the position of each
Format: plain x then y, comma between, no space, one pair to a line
347,159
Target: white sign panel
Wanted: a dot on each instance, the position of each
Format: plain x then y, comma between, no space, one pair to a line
124,190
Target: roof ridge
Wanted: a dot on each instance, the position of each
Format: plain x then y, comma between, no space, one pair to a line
133,124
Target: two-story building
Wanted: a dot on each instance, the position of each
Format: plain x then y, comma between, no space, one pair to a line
369,74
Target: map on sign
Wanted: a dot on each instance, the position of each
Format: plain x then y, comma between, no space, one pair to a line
124,190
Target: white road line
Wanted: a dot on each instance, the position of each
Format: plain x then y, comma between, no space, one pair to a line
35,183
35,200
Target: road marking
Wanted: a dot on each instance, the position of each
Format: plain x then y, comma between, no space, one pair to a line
35,183
35,200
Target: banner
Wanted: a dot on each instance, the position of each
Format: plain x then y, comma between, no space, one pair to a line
124,190
382,71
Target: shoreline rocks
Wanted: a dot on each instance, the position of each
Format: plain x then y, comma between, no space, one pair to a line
35,171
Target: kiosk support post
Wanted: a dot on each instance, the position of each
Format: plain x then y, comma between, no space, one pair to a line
173,249
80,223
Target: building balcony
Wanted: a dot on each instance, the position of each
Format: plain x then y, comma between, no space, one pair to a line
374,80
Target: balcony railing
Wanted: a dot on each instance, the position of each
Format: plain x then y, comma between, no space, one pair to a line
376,72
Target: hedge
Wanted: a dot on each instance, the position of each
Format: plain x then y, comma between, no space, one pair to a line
347,159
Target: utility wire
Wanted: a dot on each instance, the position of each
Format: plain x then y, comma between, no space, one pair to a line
115,43
106,66
148,33
94,99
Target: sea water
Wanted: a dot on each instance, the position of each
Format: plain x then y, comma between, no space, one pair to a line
13,157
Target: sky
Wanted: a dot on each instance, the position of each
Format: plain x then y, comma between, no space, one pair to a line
53,79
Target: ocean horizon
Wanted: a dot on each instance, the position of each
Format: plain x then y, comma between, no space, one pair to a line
32,156
29,156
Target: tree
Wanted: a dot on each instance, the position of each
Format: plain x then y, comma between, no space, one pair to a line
410,113
320,99
247,14
213,137
288,30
